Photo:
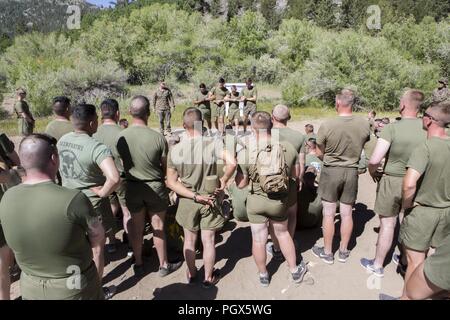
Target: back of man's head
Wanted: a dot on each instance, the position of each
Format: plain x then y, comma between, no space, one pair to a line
441,112
281,113
309,128
109,109
191,117
346,98
140,108
36,150
262,120
83,114
61,106
413,99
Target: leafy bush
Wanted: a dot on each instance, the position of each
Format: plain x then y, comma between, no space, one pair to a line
48,66
377,71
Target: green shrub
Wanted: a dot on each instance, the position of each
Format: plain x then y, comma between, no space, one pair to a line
49,65
377,71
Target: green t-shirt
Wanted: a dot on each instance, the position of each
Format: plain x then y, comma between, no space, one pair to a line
141,150
431,160
46,226
343,139
80,157
370,146
194,159
250,93
404,136
220,93
200,96
234,105
295,138
58,128
247,158
108,134
311,136
22,107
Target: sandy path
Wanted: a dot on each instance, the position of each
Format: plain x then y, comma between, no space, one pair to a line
240,281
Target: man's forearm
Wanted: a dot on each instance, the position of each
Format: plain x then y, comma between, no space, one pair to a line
109,187
408,196
180,189
229,171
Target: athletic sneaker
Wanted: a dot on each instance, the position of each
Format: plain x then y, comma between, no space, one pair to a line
109,292
319,252
343,256
368,265
276,255
171,267
264,279
383,296
299,274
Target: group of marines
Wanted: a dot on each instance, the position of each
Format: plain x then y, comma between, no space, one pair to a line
78,177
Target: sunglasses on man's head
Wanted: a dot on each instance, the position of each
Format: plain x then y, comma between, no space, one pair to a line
429,116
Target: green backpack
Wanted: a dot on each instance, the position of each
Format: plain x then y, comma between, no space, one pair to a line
271,171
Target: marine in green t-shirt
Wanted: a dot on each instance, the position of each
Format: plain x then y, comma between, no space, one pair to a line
431,160
426,188
403,136
234,113
202,102
340,143
259,207
61,125
294,137
58,128
192,174
217,95
108,133
264,208
22,109
249,95
81,158
52,230
343,139
144,152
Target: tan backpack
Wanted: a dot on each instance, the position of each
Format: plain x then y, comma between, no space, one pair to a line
271,171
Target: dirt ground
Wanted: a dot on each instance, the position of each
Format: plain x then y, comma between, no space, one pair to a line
239,275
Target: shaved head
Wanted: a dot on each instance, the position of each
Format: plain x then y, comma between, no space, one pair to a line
140,108
262,121
346,98
281,113
191,116
36,151
413,99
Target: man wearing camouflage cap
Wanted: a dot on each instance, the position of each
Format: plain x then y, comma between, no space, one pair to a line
441,93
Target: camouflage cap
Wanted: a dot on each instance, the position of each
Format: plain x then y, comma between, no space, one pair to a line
444,81
21,91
